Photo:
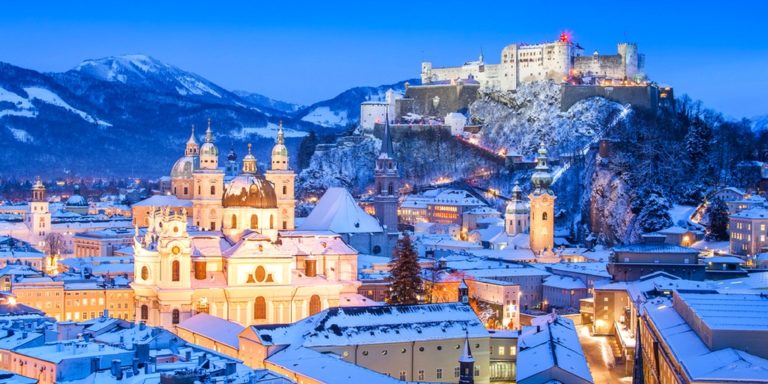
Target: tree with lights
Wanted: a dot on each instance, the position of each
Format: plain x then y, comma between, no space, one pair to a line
406,285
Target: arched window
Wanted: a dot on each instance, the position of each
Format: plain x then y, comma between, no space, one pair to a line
175,316
175,271
285,189
199,190
213,190
390,189
544,216
174,190
260,308
234,222
314,304
186,191
271,222
254,221
144,312
144,273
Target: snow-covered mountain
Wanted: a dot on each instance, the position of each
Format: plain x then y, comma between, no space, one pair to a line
760,123
344,109
132,109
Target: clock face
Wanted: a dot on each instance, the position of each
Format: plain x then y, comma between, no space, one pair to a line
175,250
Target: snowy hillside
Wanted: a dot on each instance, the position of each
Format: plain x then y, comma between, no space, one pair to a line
344,109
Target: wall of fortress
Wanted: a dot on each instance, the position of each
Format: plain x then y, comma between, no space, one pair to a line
644,97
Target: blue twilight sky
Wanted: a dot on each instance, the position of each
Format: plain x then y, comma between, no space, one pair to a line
307,51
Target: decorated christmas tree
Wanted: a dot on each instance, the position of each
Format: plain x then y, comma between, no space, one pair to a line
406,285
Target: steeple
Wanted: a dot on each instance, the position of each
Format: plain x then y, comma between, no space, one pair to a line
386,140
280,151
280,134
38,190
249,162
192,148
209,133
542,178
467,364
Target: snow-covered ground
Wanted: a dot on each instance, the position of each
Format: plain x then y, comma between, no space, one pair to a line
25,108
326,117
268,131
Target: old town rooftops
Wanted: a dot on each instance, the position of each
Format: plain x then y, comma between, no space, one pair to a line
376,325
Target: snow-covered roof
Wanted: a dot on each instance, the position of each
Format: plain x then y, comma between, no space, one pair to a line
337,211
553,344
698,361
590,268
214,328
653,248
723,260
376,325
564,282
752,213
326,368
164,201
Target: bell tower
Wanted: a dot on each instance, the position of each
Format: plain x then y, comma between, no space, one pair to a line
387,180
39,217
208,186
542,229
283,179
467,364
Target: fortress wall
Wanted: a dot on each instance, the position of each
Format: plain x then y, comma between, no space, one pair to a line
646,97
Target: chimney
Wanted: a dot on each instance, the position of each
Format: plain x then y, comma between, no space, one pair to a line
201,359
230,368
115,369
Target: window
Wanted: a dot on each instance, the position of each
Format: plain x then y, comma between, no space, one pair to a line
314,304
390,189
477,371
421,374
271,222
402,375
175,316
439,373
260,274
260,308
254,221
456,372
285,189
186,190
234,222
175,271
544,216
501,351
213,190
144,273
144,312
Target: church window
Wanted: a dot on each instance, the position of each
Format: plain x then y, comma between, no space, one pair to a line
186,190
260,274
260,308
390,189
174,190
144,273
234,222
199,190
175,271
254,221
271,222
285,189
544,216
213,190
175,316
285,224
314,304
144,312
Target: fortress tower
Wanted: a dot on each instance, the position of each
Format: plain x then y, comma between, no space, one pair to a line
542,200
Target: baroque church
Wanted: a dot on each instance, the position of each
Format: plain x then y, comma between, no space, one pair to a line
236,255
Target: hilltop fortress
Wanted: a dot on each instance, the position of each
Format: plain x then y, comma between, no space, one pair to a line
557,60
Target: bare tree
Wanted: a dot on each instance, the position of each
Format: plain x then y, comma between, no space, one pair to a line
54,243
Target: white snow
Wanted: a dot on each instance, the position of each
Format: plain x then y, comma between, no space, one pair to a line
337,211
268,131
15,99
325,117
195,86
49,97
20,135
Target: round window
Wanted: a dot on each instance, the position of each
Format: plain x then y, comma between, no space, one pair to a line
261,274
384,352
175,229
144,273
365,353
439,348
403,350
175,250
421,349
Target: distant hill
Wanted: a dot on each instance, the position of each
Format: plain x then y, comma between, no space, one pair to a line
130,116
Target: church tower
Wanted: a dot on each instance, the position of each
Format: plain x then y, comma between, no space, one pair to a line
387,182
181,173
467,364
192,149
542,224
516,217
39,218
283,179
208,186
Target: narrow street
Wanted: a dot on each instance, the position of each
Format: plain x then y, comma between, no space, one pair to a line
599,357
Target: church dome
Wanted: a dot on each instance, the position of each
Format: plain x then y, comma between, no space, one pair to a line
249,191
183,167
209,148
77,201
279,150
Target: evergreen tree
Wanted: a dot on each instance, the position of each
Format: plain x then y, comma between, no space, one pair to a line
654,215
307,149
718,220
406,274
697,141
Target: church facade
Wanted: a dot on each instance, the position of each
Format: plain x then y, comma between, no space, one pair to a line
237,256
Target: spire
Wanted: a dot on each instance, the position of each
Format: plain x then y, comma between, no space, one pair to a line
542,178
517,192
280,134
466,356
386,140
249,162
481,54
192,139
209,133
